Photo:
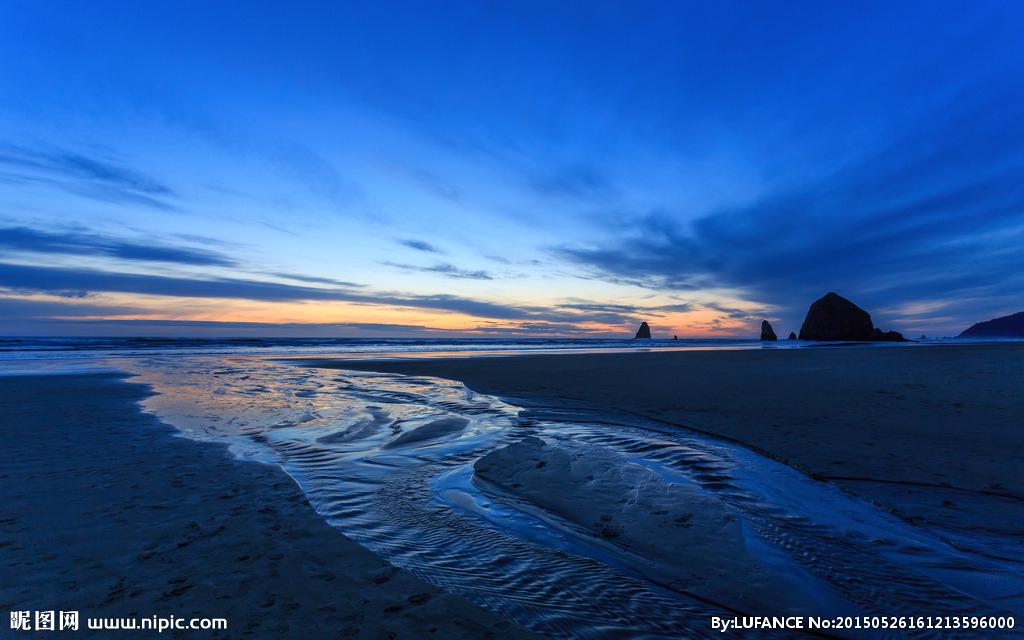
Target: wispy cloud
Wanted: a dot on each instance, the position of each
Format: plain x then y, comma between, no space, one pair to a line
71,282
79,243
436,185
62,280
70,242
420,245
315,279
23,320
628,308
91,176
578,181
445,269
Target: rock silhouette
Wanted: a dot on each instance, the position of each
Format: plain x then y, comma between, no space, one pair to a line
767,333
887,336
792,336
833,317
1011,326
643,333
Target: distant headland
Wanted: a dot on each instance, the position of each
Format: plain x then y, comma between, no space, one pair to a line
1011,326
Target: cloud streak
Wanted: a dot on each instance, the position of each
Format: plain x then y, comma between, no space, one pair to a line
315,279
31,324
77,283
69,281
22,309
444,269
90,176
77,243
420,245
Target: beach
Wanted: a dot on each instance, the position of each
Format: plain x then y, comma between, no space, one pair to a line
932,433
106,511
633,494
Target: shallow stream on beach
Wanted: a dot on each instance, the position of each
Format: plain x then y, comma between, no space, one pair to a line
592,524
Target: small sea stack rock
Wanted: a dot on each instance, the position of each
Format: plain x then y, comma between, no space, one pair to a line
643,333
767,333
792,336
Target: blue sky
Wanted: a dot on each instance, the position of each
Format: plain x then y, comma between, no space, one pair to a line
517,168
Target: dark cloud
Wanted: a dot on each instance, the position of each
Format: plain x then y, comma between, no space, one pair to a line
22,309
445,269
77,243
55,280
420,245
91,176
44,326
30,312
72,282
938,215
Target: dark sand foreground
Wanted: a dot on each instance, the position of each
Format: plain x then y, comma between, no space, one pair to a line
104,511
933,433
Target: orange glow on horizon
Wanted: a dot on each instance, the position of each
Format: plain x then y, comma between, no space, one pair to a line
699,322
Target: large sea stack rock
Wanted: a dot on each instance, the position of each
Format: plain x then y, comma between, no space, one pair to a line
833,317
643,333
1011,326
767,333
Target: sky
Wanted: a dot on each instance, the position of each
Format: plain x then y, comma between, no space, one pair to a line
507,169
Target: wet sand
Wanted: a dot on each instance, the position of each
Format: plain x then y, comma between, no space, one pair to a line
934,434
104,510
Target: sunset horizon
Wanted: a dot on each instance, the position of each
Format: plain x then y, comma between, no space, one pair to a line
346,173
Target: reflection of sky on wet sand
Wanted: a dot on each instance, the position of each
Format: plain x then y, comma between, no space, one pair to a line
235,398
388,460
